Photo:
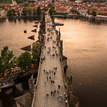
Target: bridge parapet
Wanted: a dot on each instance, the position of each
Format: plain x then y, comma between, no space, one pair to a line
35,86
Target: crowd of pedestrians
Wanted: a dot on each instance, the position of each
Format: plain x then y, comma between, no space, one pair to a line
51,73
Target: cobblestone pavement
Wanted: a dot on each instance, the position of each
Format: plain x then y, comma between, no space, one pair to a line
42,100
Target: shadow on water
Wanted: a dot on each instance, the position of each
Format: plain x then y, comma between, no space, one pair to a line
19,19
2,20
10,20
28,19
15,20
25,20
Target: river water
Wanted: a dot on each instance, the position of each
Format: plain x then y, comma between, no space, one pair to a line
12,34
85,46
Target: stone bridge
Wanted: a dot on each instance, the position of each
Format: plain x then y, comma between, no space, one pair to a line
50,74
50,89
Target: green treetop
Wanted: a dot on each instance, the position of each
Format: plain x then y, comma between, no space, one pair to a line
30,11
24,12
52,10
34,11
94,13
2,7
18,12
24,60
7,60
38,10
9,13
13,12
26,4
36,49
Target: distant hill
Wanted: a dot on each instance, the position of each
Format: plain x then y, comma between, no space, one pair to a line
5,1
10,1
101,1
20,1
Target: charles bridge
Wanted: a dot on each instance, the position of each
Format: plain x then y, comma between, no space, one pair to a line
52,87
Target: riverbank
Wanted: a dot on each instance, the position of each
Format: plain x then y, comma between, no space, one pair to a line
19,74
91,19
23,17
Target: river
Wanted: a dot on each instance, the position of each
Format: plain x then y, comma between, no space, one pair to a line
85,46
12,34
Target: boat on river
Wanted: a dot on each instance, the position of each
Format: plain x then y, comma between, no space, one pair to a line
59,24
7,83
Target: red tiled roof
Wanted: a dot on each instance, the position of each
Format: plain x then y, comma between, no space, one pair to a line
5,4
20,4
104,14
100,9
61,8
74,13
100,4
41,6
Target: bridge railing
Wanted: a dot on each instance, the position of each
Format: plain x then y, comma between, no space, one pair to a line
35,86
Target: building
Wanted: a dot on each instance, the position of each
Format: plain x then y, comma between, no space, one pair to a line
61,10
101,16
98,10
2,13
83,12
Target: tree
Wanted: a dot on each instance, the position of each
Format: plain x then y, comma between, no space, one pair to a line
2,7
53,7
52,10
84,0
24,12
7,60
29,11
18,13
75,11
72,10
13,12
38,11
94,13
45,8
9,13
34,11
72,0
36,50
66,14
26,4
24,60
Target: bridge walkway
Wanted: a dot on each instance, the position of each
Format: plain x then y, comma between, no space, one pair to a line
50,62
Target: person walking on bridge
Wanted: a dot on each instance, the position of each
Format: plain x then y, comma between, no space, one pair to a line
51,81
47,93
45,83
54,73
51,92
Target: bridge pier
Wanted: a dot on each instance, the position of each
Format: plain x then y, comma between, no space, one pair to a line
31,83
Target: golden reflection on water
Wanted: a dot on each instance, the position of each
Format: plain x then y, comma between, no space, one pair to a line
12,34
85,46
